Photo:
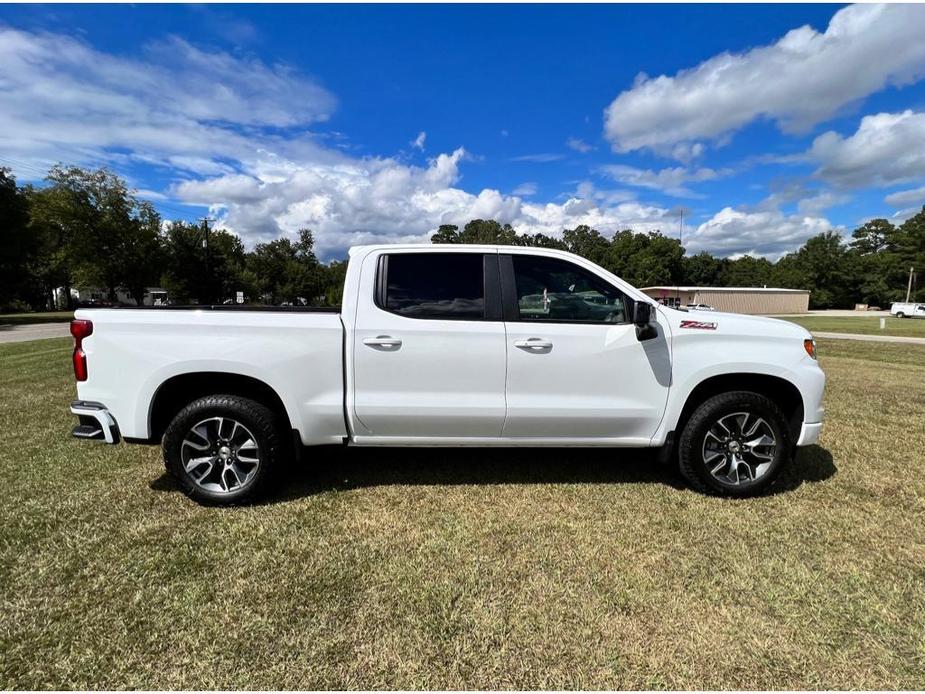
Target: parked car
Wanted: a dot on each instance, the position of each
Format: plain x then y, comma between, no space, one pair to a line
907,310
450,346
700,307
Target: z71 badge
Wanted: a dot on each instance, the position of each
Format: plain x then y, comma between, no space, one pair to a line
698,325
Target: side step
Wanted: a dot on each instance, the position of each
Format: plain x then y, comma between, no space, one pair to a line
88,431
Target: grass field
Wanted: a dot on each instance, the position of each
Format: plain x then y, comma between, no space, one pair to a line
44,317
467,568
864,325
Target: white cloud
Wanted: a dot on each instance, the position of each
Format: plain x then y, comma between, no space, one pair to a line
809,201
527,188
768,233
418,142
885,149
815,205
902,198
803,79
670,181
176,105
578,145
380,200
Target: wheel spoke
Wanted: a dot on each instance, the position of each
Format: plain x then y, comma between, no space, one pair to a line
237,477
193,463
751,431
741,420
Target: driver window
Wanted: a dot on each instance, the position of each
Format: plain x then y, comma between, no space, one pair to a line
553,290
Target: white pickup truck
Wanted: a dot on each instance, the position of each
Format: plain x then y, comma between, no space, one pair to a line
450,346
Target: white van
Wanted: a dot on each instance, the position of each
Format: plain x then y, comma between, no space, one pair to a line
905,310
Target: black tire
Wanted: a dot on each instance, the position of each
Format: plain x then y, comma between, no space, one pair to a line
691,445
900,315
253,418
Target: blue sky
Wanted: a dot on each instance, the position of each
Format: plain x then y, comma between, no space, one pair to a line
763,124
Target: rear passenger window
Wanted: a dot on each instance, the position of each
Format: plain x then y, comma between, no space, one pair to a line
448,286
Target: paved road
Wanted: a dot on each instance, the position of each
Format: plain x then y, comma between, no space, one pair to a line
870,338
33,331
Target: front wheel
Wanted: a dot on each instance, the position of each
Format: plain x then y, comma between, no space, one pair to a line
734,444
221,449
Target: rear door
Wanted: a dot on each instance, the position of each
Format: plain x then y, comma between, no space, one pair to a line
576,369
429,348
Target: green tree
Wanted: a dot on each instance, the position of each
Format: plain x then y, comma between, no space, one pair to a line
702,270
645,260
478,231
205,267
747,271
825,267
288,271
910,252
873,236
587,242
19,246
101,233
335,273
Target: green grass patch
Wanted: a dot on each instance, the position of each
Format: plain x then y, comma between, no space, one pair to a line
467,568
863,325
44,317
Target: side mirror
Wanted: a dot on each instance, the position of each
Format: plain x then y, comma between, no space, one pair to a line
642,317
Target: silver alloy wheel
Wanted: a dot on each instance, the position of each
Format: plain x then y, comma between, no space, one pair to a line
220,455
739,448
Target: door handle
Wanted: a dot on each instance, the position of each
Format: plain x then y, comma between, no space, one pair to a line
534,344
384,341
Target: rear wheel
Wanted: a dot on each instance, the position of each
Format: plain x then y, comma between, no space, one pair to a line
900,315
222,448
734,444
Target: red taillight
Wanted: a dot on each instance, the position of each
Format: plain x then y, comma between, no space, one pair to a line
80,329
80,364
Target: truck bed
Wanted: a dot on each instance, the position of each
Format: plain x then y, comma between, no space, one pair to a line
296,351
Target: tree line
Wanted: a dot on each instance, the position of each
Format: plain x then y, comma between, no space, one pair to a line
87,228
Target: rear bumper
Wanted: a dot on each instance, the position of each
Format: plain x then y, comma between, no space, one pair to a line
809,433
95,422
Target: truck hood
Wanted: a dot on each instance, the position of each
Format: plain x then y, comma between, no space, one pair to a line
719,323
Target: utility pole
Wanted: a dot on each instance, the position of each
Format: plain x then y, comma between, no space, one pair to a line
909,285
205,245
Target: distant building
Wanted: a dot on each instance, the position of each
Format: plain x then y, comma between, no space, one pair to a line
755,300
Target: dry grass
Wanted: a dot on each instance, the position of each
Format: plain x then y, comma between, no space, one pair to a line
449,569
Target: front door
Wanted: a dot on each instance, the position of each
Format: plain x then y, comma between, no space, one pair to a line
576,369
429,354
